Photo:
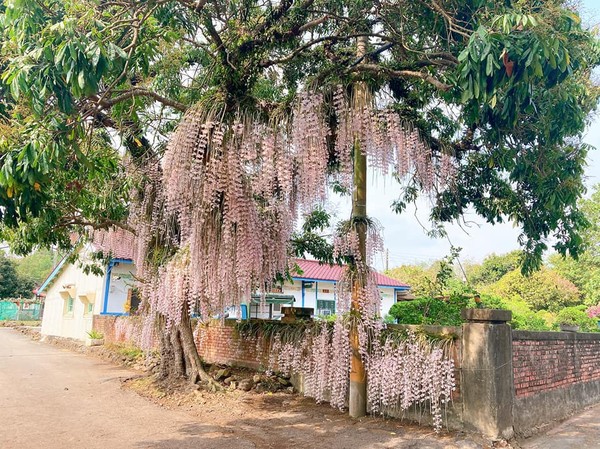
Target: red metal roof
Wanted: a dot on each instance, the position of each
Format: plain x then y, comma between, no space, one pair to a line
312,269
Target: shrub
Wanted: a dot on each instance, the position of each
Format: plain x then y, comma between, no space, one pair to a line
575,316
444,312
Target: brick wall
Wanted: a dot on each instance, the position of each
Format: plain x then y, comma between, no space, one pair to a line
544,361
105,324
119,329
221,343
555,375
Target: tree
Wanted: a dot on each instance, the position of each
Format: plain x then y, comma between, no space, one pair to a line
542,290
584,271
475,95
11,284
493,268
36,266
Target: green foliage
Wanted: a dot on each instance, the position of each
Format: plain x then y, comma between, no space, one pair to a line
419,277
584,271
438,278
576,316
36,266
542,290
83,82
11,284
95,335
128,351
310,240
444,312
493,268
530,320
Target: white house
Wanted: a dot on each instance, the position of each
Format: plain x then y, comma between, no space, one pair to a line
316,288
72,297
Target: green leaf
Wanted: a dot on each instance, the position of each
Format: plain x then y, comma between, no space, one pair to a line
81,79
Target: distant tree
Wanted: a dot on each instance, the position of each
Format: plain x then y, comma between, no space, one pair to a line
11,284
493,268
543,290
36,266
584,271
420,278
436,279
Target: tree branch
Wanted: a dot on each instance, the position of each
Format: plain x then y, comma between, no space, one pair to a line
139,91
378,70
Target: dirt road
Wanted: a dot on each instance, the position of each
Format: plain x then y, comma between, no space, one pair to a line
56,399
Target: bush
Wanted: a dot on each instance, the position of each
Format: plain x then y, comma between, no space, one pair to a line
443,312
529,320
575,316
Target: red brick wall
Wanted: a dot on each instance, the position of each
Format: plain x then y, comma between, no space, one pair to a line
105,324
127,331
218,343
545,361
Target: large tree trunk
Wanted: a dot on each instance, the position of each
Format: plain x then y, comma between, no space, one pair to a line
179,354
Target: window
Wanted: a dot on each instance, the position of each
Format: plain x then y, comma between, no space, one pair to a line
69,302
256,311
89,308
325,307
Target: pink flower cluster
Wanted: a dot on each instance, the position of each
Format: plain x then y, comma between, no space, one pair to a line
402,372
593,311
322,357
405,373
391,145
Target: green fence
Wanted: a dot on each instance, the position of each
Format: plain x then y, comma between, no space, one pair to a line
27,312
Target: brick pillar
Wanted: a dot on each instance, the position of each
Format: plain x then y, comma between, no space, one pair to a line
487,372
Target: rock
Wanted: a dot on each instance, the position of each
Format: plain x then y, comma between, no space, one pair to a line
261,388
256,378
229,380
222,374
283,381
246,384
289,390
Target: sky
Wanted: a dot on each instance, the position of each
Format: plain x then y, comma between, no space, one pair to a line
404,237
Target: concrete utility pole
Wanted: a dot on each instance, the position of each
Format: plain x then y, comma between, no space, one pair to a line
357,406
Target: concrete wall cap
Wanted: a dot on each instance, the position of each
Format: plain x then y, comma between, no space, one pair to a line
486,315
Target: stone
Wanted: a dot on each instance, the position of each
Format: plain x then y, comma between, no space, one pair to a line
282,381
256,378
229,380
486,315
222,374
246,384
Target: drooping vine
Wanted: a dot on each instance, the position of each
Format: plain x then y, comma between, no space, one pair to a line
215,217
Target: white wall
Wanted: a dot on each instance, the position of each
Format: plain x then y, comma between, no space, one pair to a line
319,292
388,298
84,289
71,282
121,280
